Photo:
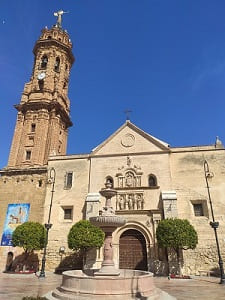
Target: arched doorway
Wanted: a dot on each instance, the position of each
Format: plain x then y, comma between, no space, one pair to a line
132,250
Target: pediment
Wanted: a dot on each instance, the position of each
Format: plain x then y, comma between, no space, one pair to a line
130,139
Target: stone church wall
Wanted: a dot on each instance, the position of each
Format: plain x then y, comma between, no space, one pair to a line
65,198
21,187
189,182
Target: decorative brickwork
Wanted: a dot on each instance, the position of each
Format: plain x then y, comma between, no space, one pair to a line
43,113
41,130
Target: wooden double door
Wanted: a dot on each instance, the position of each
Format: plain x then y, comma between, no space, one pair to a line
132,250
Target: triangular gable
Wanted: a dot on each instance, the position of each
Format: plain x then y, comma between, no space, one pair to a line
130,139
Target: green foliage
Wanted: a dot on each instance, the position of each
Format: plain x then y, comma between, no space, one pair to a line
30,236
83,236
176,234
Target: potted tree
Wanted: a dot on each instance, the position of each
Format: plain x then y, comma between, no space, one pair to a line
30,236
84,236
176,234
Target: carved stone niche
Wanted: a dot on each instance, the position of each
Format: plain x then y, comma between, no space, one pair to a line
130,201
130,179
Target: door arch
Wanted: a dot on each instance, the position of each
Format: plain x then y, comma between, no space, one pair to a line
132,250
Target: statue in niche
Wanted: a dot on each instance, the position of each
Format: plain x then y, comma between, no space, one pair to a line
121,202
120,182
130,201
129,179
140,201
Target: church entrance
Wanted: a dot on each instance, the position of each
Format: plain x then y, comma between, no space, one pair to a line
132,250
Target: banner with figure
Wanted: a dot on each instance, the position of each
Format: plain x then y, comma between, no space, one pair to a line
16,214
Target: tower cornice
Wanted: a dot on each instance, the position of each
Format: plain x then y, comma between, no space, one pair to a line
49,43
49,106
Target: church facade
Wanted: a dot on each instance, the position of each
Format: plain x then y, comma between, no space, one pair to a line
153,180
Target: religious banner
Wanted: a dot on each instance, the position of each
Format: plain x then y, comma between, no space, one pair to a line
15,216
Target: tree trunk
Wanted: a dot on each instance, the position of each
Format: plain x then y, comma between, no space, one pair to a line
83,254
178,261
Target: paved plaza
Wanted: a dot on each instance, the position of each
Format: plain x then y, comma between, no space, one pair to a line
15,286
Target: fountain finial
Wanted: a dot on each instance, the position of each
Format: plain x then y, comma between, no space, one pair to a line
108,184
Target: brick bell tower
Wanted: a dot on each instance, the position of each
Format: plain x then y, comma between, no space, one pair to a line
43,113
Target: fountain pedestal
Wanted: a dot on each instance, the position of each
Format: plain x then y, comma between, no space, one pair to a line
108,222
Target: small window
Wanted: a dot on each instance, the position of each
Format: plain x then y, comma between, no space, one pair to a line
57,64
68,180
44,62
59,147
33,127
68,213
198,209
40,183
152,181
28,155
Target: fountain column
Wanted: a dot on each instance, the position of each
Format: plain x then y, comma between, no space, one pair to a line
108,222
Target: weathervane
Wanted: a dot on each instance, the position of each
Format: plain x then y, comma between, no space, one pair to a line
127,112
59,14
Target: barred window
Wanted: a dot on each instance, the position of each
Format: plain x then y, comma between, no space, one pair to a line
68,180
198,209
68,213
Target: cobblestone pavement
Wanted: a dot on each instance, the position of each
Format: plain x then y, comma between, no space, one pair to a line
15,286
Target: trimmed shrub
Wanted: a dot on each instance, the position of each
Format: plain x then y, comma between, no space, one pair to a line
30,236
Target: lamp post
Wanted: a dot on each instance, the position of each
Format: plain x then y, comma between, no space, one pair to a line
214,224
48,225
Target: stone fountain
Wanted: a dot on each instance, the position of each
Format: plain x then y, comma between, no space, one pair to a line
107,283
108,222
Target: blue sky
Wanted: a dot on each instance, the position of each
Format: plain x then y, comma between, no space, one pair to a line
162,59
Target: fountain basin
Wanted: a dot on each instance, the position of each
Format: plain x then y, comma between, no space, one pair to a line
130,284
108,193
107,221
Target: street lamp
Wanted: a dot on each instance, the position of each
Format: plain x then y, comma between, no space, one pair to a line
48,225
214,224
